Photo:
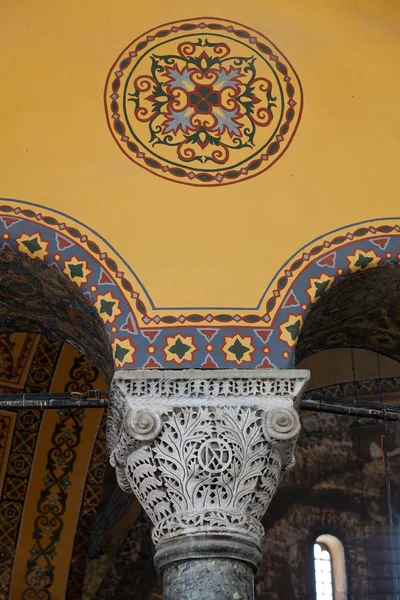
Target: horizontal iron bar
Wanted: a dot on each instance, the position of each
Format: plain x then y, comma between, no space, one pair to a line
59,395
97,399
93,399
53,403
353,408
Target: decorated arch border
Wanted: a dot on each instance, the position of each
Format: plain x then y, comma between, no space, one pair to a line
144,336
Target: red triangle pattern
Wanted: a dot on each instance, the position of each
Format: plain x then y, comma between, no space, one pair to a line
151,334
63,242
328,261
381,242
209,363
129,325
105,279
290,300
266,364
151,364
208,333
263,334
8,221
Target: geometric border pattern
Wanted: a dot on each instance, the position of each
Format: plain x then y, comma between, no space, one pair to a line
144,336
48,514
15,487
89,506
7,422
19,465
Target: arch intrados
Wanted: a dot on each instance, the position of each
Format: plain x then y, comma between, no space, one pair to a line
36,298
361,310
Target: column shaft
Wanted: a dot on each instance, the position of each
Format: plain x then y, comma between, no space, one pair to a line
209,579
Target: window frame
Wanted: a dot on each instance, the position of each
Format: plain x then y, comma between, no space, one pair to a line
338,564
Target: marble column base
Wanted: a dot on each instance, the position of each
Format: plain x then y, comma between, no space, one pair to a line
208,567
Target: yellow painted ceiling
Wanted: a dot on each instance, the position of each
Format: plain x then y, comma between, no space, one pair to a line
202,246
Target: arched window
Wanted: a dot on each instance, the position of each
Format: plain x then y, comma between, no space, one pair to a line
323,572
330,569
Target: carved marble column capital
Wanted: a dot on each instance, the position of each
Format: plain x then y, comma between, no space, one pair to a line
204,451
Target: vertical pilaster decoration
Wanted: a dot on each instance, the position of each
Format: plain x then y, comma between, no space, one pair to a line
204,452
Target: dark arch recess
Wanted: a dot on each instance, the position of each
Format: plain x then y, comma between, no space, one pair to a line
37,299
360,311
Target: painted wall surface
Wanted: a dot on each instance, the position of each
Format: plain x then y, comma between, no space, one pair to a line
202,246
190,246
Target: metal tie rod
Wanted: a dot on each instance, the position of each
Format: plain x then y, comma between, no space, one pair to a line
99,399
352,408
94,399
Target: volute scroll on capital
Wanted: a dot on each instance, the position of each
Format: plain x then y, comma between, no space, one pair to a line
204,451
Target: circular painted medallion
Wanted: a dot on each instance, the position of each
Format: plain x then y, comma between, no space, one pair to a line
203,102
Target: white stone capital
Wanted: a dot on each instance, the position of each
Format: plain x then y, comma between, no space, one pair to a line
204,451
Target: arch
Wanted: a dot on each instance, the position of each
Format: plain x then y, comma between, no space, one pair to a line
335,548
359,311
82,259
37,299
143,335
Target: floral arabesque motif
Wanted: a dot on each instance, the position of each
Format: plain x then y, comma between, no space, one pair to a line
204,102
52,504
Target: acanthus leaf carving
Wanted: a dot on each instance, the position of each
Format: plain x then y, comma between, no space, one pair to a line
202,464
